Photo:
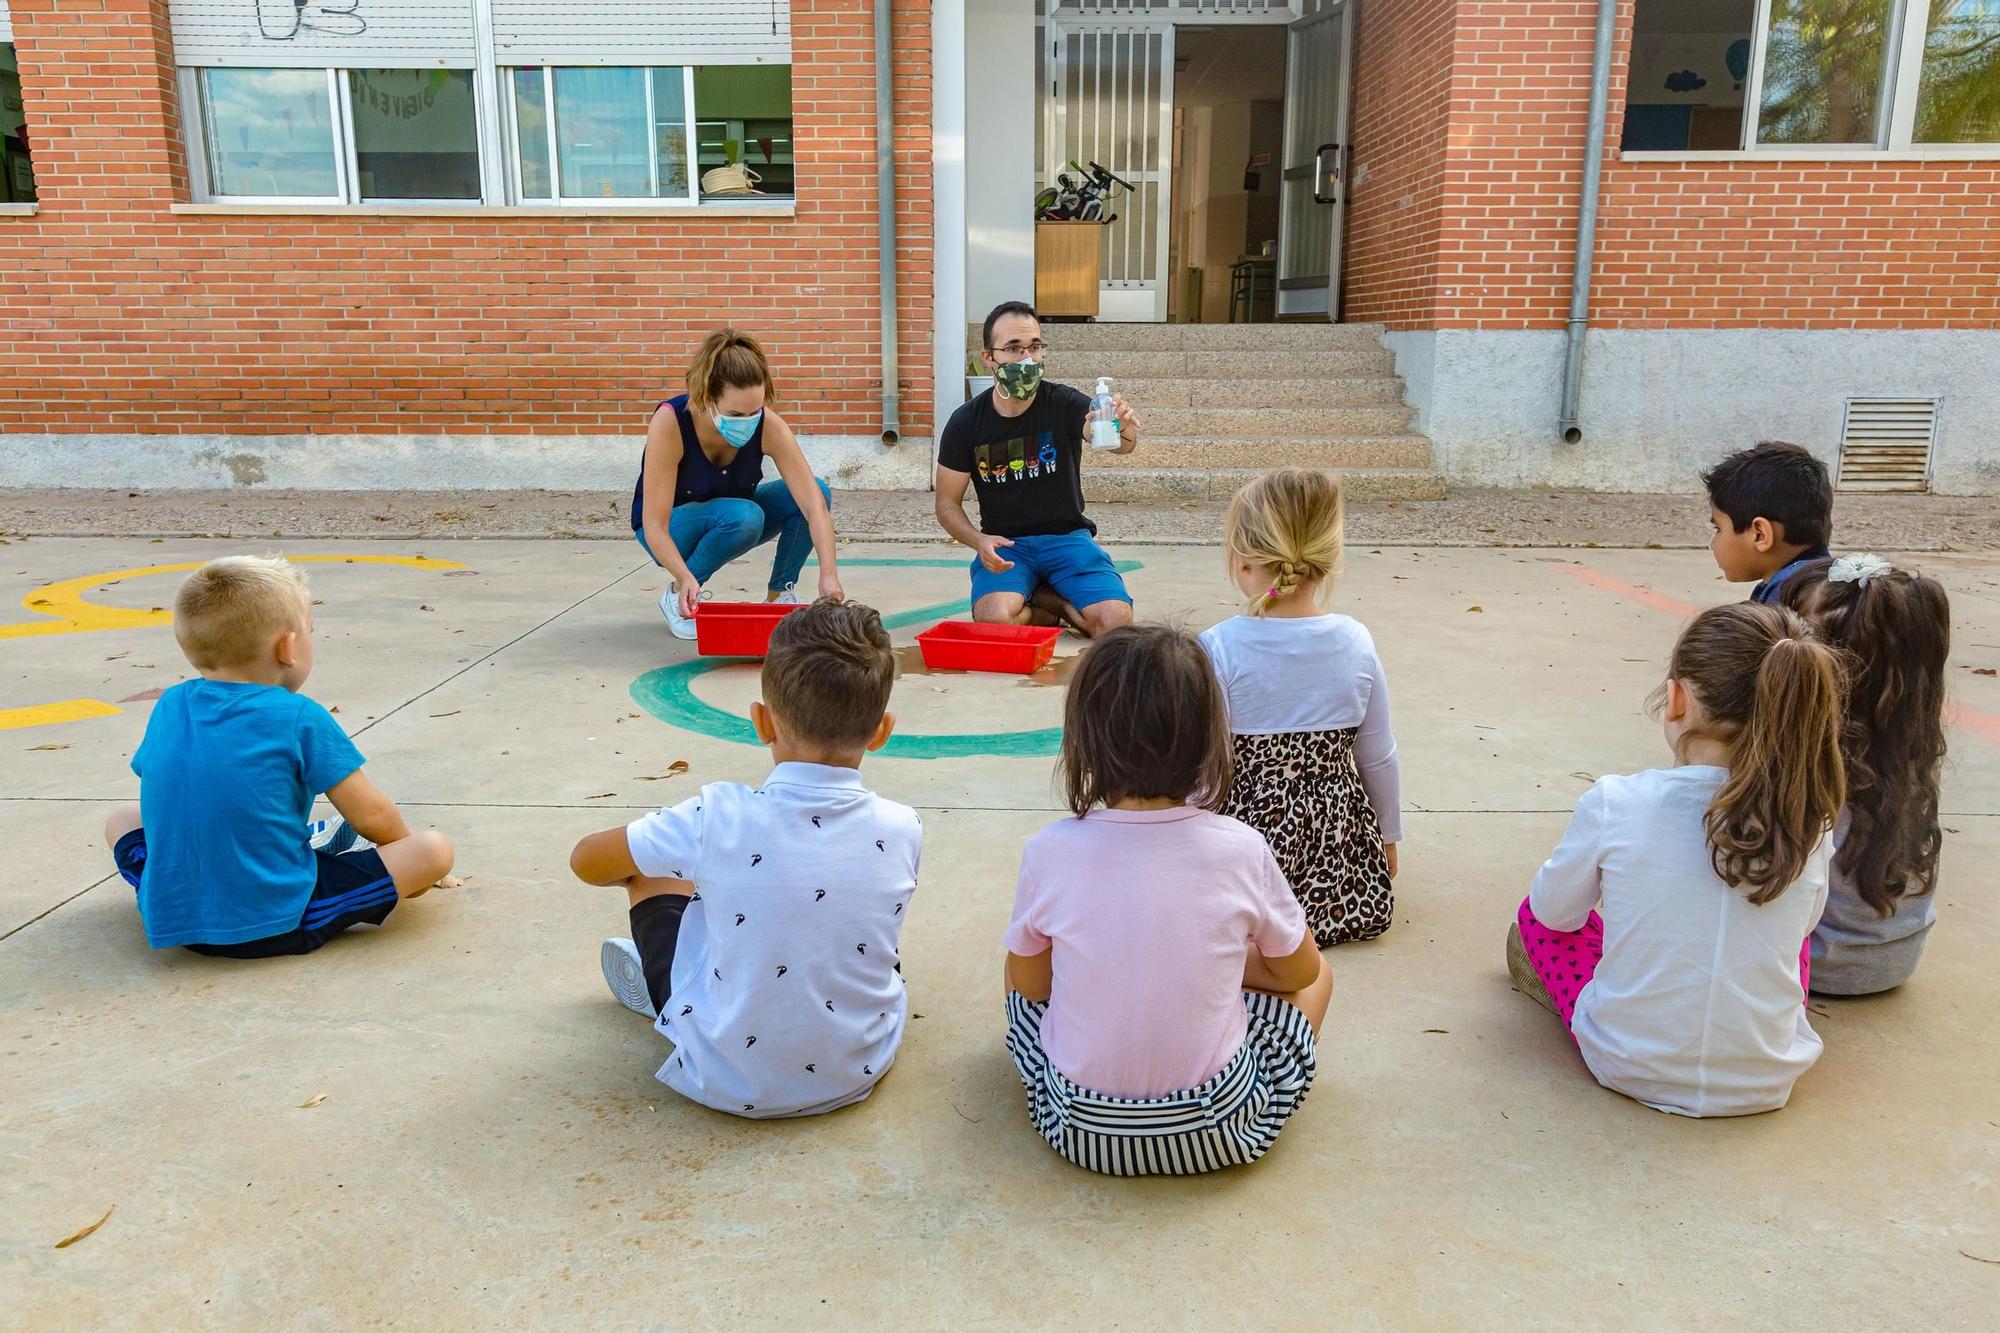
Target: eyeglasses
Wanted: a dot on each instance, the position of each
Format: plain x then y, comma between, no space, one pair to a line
1037,349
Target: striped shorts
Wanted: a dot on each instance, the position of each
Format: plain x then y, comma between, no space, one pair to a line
1230,1120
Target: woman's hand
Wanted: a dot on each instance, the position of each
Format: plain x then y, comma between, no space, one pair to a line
829,585
689,593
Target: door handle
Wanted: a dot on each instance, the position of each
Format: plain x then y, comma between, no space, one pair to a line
1326,173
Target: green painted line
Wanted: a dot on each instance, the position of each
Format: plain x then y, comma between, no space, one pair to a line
668,693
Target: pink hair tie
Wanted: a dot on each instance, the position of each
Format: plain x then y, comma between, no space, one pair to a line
1271,592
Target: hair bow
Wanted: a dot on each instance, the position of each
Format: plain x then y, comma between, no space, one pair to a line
1857,569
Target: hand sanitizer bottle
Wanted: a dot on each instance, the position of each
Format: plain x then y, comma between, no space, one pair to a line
1104,429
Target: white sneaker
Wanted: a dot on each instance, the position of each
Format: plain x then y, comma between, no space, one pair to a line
626,976
332,836
789,597
680,626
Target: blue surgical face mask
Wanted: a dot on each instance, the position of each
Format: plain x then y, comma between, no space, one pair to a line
736,431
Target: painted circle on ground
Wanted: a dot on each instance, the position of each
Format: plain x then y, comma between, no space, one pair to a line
668,693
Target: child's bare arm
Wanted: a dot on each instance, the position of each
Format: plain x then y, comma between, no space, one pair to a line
1031,977
603,858
1281,976
372,815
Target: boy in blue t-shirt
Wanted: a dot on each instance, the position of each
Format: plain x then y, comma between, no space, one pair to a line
1771,509
218,846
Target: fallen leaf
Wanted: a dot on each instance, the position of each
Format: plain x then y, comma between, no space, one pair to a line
1471,609
601,796
453,713
674,770
334,709
451,882
68,1241
1441,1031
1587,777
49,747
422,607
1986,671
1976,1258
312,1101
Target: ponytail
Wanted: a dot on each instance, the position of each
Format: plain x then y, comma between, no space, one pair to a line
1772,693
728,359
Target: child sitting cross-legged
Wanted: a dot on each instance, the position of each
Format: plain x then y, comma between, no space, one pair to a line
218,846
1688,993
766,920
1163,993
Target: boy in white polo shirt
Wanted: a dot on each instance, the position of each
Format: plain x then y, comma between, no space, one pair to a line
766,921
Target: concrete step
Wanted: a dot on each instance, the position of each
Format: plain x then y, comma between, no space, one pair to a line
1330,452
1343,360
1209,337
1150,394
1267,422
1165,485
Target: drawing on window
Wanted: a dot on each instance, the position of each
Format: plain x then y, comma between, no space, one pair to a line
336,18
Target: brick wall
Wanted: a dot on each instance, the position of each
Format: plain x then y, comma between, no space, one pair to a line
126,317
1400,116
1472,225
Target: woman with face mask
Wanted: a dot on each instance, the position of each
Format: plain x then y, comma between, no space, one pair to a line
701,500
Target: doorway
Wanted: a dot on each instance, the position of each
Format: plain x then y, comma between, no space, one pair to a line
1229,131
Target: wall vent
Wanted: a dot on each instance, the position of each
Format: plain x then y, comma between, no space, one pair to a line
1885,444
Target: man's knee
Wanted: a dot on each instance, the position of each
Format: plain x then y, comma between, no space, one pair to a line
998,608
1104,617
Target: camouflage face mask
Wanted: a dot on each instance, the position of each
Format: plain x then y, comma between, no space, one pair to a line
1018,379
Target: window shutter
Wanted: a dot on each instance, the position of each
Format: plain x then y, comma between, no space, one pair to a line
355,34
1885,444
642,32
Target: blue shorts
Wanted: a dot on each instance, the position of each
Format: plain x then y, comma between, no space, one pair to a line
1071,563
354,889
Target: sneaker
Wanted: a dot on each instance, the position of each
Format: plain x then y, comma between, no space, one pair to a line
627,976
332,836
789,597
1523,972
680,626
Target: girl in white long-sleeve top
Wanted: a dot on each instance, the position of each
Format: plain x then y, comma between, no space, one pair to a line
1316,769
1688,994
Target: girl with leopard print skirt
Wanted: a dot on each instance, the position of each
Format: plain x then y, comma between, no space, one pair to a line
1316,769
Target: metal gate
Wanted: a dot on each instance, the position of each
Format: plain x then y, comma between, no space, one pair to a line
1111,102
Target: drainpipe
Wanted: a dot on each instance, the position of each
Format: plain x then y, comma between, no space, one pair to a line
1586,224
885,221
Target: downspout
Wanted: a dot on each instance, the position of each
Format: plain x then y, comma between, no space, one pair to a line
1570,428
885,220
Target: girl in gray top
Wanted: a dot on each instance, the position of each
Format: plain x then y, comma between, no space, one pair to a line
1895,627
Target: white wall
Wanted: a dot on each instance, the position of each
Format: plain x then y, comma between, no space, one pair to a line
1000,107
1659,405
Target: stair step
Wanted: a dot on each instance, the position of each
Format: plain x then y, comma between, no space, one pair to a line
1156,485
1208,337
1331,453
1149,394
1268,422
1078,365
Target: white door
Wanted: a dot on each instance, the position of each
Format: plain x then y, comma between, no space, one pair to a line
1313,195
1111,98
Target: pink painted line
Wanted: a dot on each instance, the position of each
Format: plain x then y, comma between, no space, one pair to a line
1966,718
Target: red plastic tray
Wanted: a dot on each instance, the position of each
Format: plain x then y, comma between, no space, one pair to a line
737,629
961,645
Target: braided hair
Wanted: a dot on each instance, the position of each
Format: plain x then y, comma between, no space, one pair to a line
1288,521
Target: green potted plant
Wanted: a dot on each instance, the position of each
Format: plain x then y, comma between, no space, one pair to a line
977,379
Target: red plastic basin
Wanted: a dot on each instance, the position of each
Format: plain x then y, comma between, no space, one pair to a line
737,629
961,645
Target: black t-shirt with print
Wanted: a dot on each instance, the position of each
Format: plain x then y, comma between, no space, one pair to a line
1026,470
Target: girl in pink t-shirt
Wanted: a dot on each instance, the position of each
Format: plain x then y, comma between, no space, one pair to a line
1163,993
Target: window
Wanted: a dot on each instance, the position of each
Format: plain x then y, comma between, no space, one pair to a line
621,132
415,134
1839,75
17,173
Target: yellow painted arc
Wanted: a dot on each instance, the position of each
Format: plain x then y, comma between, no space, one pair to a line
65,610
63,710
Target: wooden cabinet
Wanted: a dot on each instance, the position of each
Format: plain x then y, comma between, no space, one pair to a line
1066,268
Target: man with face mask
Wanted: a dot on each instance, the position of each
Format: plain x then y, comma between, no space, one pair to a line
1020,445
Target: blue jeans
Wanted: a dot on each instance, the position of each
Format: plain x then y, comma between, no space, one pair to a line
711,533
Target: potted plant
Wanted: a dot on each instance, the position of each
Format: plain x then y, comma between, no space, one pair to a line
977,381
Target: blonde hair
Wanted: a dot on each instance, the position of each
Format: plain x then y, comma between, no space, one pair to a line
229,610
728,359
1291,521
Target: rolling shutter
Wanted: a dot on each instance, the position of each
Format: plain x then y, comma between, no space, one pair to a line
6,24
355,34
1885,444
642,32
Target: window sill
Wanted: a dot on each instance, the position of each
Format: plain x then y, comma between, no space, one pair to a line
18,210
777,208
1942,153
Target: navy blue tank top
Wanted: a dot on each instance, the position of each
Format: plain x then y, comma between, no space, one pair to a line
699,479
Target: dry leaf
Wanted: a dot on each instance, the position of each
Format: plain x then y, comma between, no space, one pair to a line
1986,671
601,796
49,747
453,713
312,1101
1470,609
674,770
449,882
422,607
68,1241
334,709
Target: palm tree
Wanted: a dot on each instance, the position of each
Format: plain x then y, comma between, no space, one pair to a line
1824,65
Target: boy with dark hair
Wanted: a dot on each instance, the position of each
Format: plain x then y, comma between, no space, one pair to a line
766,921
1771,508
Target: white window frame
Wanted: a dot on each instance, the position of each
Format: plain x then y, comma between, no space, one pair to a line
346,161
1896,117
557,199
